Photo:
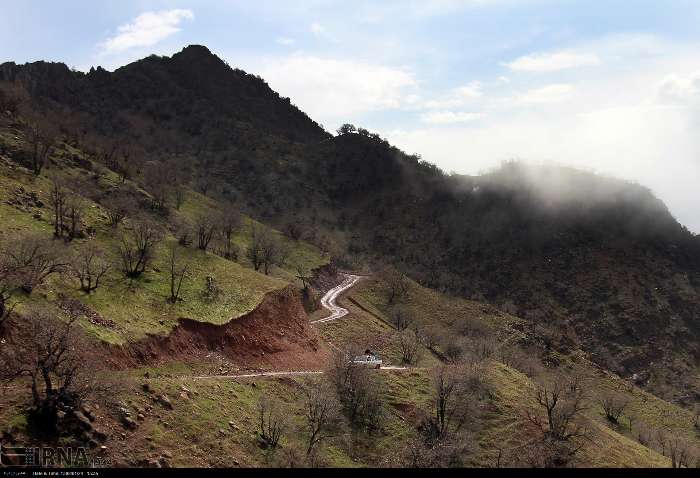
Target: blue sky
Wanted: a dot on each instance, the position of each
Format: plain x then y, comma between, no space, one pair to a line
611,86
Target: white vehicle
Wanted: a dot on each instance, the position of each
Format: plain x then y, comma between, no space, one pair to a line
368,360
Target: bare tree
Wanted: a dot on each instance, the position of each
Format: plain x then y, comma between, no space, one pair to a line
34,258
73,210
49,353
304,275
41,136
397,283
89,266
265,249
449,401
613,405
679,452
401,318
205,229
119,207
177,273
157,179
358,393
562,401
229,222
272,422
321,414
410,345
137,247
10,281
58,200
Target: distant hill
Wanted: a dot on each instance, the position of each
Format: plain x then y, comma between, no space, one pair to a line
592,260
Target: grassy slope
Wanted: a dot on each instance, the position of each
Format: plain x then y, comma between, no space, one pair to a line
609,446
139,307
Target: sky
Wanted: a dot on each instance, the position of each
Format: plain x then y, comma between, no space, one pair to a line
608,86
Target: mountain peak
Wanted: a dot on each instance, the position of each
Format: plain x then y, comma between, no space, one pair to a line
198,50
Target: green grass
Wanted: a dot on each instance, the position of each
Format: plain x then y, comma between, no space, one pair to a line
140,307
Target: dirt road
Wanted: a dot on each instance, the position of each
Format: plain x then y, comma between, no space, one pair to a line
329,300
329,303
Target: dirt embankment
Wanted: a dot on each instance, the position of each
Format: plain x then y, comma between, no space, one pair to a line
276,335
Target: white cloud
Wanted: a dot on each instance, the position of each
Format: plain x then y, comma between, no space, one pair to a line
285,41
552,61
318,29
675,88
545,94
449,117
333,90
472,90
147,29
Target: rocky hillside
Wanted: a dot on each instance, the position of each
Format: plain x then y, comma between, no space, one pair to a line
597,262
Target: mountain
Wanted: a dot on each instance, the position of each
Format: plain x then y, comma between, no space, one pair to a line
592,261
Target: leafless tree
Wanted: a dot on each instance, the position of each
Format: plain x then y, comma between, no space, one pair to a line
157,180
410,345
137,246
41,136
34,258
613,405
304,275
177,272
179,193
89,266
119,207
73,210
321,414
357,392
10,281
50,354
449,401
58,200
679,452
205,229
272,422
401,318
265,249
430,335
397,283
229,222
562,400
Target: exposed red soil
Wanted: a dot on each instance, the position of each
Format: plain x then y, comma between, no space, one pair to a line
276,336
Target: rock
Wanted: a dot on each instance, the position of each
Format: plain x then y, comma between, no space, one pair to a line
165,401
87,411
253,384
140,417
147,375
184,389
167,454
129,423
99,434
222,432
103,448
164,462
184,396
83,421
124,412
123,435
147,388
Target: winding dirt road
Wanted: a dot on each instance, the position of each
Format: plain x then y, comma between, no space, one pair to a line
329,300
329,303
